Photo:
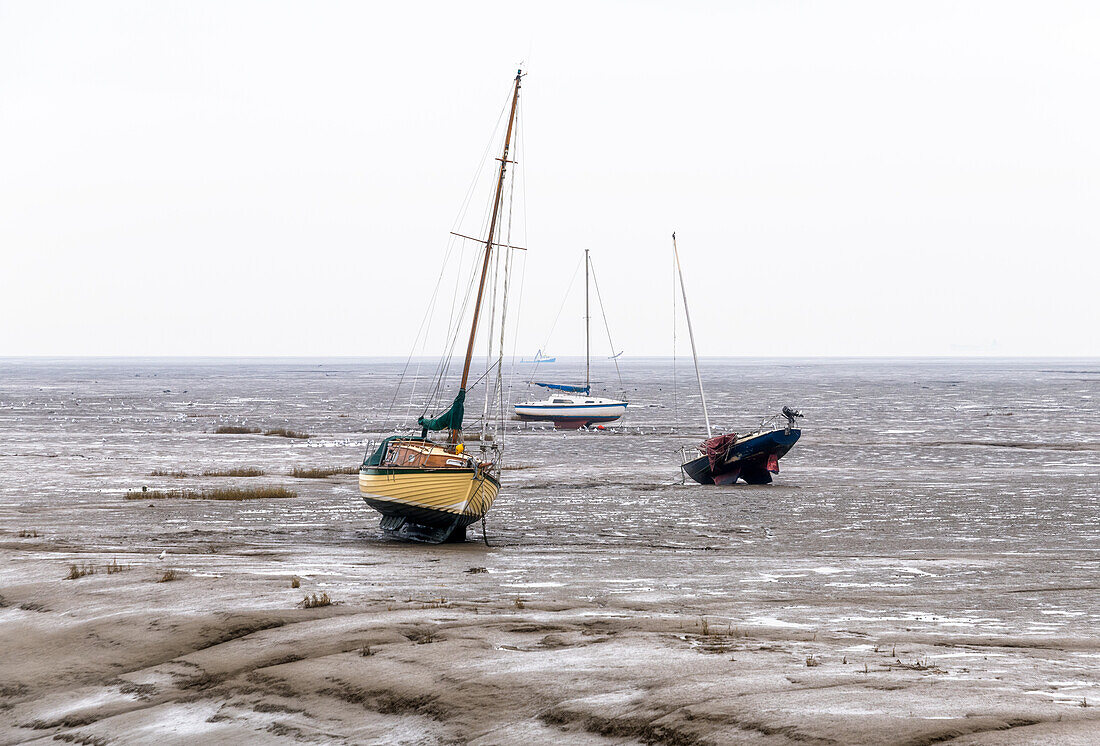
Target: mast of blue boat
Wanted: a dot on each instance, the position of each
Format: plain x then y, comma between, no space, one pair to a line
587,338
691,334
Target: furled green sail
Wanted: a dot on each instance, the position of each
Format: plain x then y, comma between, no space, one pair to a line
449,420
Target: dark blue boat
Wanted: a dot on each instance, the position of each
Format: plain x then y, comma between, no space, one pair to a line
752,458
726,458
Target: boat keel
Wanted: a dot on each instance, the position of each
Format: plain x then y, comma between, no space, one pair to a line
400,527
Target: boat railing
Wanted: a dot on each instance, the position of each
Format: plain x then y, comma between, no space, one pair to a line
784,420
453,448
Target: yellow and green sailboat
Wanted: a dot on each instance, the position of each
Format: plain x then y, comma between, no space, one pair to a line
431,490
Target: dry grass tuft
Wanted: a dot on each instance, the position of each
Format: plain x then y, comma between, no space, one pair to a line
166,473
240,471
322,472
282,432
217,493
235,430
295,582
168,576
315,601
365,651
79,571
31,534
114,567
811,661
477,570
518,603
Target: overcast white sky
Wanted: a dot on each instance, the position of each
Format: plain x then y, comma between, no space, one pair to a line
264,178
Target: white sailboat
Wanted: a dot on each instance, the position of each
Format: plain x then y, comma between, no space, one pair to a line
571,406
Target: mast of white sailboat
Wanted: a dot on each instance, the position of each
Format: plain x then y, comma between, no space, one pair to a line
691,334
489,241
587,323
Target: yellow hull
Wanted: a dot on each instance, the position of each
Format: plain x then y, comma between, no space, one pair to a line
451,493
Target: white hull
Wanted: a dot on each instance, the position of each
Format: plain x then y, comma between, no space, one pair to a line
580,408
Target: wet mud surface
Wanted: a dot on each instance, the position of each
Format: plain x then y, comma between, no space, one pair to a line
924,570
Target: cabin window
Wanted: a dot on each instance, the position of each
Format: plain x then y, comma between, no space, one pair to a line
589,401
562,401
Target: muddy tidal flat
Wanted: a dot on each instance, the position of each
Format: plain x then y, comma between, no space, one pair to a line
926,568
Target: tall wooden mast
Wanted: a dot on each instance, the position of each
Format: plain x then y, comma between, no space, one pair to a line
691,334
492,231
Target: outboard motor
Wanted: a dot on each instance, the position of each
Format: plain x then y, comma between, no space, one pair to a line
791,415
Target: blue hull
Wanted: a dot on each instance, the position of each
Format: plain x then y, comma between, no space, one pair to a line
746,459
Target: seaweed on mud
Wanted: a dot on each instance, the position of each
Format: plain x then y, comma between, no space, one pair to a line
236,631
13,690
274,707
235,430
82,738
288,658
141,691
69,721
201,681
386,701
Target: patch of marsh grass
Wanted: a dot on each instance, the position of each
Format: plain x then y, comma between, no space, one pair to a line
236,471
168,576
322,472
235,430
79,571
215,493
239,471
114,567
28,534
282,432
295,583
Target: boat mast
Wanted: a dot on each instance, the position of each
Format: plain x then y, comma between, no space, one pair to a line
691,334
587,323
489,241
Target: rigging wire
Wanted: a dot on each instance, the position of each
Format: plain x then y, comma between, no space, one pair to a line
560,309
606,326
425,324
521,147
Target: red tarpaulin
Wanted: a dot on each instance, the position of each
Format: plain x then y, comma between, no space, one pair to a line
716,448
